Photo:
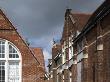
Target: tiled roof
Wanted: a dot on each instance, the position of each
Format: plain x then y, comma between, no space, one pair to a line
101,12
4,21
38,53
74,22
5,24
80,19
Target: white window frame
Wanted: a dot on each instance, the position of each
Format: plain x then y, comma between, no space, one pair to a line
7,59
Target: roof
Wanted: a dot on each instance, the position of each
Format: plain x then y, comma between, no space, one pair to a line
81,19
5,24
74,22
56,50
38,53
101,12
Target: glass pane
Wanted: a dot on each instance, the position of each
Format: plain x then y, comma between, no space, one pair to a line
3,55
13,72
13,52
17,56
2,49
10,49
10,56
2,71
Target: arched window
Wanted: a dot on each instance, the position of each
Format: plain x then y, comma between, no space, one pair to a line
10,62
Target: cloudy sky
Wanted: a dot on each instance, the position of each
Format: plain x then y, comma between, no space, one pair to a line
40,21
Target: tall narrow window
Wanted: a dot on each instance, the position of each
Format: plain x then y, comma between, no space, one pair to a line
2,71
10,62
2,49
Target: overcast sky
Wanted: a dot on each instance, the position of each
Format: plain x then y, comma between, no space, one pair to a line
40,21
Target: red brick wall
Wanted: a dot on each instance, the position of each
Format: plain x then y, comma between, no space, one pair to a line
30,70
98,61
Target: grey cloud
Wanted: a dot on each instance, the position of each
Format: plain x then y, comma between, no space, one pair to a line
41,20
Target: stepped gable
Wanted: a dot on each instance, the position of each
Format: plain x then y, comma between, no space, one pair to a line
74,22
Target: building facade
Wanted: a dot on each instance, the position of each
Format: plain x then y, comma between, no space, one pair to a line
18,63
50,71
84,47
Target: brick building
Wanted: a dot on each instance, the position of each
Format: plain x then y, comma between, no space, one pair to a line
38,53
84,47
50,71
18,62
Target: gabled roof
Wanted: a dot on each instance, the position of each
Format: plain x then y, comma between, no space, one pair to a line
38,53
74,22
5,24
102,11
80,19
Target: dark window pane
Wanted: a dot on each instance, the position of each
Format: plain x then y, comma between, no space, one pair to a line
0,78
14,51
10,49
0,49
0,73
3,49
13,55
3,63
3,55
3,72
17,56
0,55
3,67
3,42
3,78
10,55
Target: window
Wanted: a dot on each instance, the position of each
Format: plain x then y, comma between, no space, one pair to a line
12,52
2,49
70,73
2,71
79,60
79,72
10,62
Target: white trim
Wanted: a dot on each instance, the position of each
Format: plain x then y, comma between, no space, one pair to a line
100,47
85,55
7,59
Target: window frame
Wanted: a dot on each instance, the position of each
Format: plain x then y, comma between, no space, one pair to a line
7,60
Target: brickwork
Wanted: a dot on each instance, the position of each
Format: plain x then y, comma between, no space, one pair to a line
95,66
30,63
91,39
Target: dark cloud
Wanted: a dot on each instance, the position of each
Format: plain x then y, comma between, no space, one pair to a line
42,20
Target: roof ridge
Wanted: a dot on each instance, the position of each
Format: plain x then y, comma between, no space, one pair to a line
13,27
84,13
